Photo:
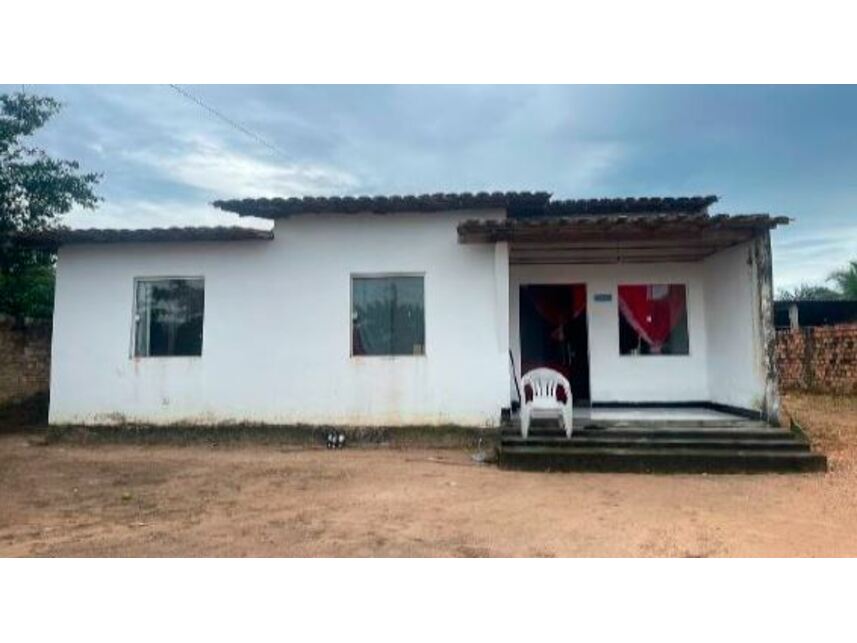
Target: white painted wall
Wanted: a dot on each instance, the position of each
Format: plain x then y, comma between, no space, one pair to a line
735,372
276,337
628,378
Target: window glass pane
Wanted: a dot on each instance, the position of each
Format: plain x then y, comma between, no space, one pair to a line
387,316
169,317
653,319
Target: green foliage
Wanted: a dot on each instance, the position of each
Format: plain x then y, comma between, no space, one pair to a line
846,280
806,292
35,190
27,288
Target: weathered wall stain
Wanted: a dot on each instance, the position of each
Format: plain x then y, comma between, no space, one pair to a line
765,289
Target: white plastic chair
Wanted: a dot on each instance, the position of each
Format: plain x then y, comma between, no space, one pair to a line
543,383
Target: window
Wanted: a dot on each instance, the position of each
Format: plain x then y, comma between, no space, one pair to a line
387,316
653,319
168,317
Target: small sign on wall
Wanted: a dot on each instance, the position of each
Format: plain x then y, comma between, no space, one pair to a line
603,297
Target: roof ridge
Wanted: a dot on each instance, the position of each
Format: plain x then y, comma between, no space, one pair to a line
522,203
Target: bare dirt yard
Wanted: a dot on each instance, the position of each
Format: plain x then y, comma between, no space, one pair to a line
68,499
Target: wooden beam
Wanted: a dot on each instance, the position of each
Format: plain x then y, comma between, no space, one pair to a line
557,256
594,261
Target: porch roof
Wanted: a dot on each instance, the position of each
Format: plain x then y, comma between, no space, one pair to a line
618,238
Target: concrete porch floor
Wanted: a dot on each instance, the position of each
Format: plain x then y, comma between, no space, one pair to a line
666,416
630,414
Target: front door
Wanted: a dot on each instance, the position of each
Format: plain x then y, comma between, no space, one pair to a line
554,333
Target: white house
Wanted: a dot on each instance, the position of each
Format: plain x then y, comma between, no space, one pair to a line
412,311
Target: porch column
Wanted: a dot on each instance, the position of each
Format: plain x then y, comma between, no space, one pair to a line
767,334
501,296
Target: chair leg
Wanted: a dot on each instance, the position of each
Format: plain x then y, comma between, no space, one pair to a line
567,418
525,420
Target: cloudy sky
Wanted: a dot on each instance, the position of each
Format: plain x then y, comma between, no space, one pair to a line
782,150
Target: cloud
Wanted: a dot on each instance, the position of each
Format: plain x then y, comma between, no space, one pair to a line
776,149
810,257
591,163
208,165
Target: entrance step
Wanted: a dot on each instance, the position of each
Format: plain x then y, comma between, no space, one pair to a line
658,459
748,448
740,443
675,432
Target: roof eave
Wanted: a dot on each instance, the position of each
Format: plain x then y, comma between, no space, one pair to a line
54,239
616,227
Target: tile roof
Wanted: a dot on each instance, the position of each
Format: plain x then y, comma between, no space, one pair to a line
65,236
517,204
630,205
279,207
652,225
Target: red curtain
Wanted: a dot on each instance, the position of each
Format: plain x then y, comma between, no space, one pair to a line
653,310
558,305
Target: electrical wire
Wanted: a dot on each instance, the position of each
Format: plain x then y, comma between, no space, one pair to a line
235,125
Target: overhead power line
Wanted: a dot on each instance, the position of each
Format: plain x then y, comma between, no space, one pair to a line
233,124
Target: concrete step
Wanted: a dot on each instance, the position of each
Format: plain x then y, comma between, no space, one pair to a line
659,442
675,432
654,460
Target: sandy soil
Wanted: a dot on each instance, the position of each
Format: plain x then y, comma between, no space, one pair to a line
124,500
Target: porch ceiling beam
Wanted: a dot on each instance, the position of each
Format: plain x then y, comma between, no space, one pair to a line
720,229
607,257
601,244
720,238
580,261
614,252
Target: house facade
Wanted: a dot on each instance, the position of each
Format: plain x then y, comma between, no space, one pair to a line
412,311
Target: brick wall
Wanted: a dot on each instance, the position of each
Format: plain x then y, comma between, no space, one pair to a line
821,359
25,360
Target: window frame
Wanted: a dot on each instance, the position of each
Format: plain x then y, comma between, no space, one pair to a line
619,319
383,275
133,343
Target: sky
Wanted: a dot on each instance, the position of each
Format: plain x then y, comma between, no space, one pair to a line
783,150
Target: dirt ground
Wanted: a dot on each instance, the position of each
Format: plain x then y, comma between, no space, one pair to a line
128,500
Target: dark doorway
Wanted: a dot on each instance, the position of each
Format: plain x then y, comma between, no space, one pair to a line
554,334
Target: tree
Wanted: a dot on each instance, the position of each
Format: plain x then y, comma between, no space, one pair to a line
35,190
807,292
846,287
846,280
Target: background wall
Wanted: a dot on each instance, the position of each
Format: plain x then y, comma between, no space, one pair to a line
276,337
628,378
25,359
820,359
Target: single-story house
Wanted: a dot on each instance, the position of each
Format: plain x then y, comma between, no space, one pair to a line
414,310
